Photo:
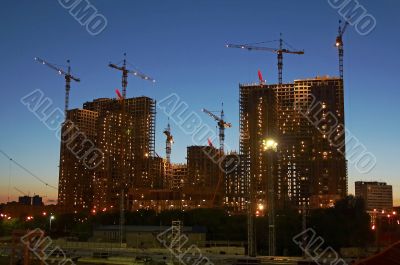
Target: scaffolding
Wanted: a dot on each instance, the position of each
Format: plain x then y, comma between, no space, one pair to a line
176,240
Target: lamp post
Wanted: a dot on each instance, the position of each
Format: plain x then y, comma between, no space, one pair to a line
51,219
270,146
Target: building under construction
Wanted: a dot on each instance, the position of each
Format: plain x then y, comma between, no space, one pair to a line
75,188
125,134
203,175
306,119
235,189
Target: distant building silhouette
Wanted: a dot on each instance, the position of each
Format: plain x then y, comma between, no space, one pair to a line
37,200
25,200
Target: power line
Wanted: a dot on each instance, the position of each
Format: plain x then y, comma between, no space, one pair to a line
9,181
27,170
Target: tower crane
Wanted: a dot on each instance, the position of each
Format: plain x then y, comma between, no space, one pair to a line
68,77
168,143
222,124
279,51
125,71
339,45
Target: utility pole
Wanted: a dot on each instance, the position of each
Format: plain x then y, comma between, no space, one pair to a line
251,242
304,227
121,219
270,147
271,207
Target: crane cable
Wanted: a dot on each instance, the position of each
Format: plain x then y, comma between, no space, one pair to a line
27,170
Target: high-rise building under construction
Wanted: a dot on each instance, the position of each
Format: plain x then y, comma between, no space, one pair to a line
306,119
235,190
204,175
124,131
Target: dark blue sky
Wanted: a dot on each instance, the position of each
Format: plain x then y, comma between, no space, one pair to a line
181,45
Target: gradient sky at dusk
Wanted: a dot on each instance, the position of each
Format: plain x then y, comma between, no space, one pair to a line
181,45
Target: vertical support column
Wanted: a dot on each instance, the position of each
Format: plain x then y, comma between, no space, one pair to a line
271,206
251,244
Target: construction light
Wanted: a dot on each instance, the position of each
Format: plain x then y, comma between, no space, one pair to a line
269,144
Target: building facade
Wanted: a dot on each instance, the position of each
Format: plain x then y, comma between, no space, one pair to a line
178,176
377,195
204,183
306,119
235,190
124,132
75,184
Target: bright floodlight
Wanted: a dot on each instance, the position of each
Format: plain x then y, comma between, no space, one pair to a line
269,144
52,217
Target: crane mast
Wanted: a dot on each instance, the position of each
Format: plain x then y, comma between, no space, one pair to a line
339,45
68,77
168,143
222,124
280,61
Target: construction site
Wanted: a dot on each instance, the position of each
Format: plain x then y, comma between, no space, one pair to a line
287,163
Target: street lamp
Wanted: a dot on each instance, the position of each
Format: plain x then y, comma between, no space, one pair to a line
50,219
270,146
